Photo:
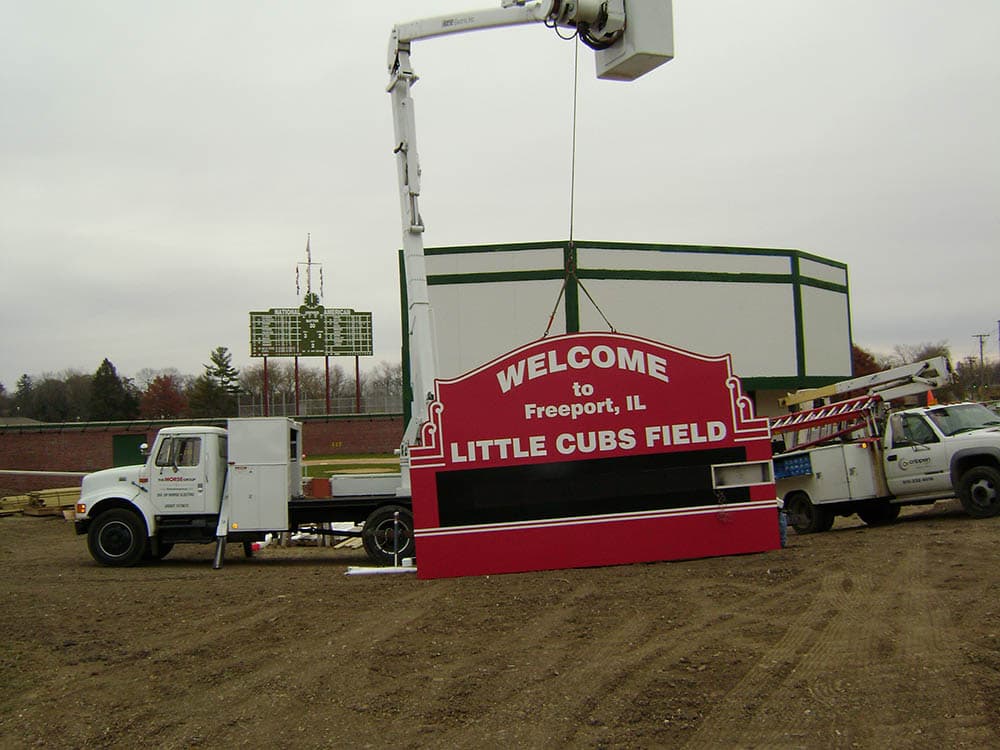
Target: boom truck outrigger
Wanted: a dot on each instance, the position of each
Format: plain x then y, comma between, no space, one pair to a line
837,459
208,484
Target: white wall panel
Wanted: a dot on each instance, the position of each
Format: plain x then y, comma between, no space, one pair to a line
753,322
476,323
826,321
479,262
822,272
696,262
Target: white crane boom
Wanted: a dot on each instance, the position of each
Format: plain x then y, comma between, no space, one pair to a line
896,382
628,52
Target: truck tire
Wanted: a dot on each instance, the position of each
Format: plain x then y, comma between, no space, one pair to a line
879,513
805,517
979,491
117,537
379,538
164,550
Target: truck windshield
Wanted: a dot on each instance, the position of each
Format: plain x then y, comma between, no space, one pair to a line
952,420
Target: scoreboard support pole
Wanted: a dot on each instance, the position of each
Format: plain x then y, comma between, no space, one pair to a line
357,385
326,365
267,392
297,386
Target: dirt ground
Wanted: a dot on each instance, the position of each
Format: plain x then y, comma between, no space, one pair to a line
859,637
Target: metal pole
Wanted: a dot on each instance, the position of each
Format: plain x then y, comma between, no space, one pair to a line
296,386
395,539
267,396
357,384
327,365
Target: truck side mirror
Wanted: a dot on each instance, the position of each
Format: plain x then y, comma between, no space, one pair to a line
144,450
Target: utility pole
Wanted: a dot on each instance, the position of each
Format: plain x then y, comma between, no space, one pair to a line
982,368
982,337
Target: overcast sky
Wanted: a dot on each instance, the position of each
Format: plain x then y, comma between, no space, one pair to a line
162,162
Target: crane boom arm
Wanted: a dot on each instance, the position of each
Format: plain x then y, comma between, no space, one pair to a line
897,382
601,24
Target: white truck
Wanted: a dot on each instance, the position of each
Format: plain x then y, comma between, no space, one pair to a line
204,484
924,454
209,484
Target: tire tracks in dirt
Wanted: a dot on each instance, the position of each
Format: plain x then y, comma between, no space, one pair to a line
862,634
585,681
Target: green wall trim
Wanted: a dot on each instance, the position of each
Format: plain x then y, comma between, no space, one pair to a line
513,247
571,297
788,383
699,276
641,246
493,277
800,328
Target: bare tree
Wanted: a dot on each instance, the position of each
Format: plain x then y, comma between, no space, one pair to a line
383,386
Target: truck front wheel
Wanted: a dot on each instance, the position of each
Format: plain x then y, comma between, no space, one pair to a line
384,539
117,537
805,517
979,491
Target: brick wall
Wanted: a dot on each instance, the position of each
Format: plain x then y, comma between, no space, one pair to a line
89,447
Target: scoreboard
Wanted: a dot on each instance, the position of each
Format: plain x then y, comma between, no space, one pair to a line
310,331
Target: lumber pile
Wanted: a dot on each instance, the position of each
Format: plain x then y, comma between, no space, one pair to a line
57,502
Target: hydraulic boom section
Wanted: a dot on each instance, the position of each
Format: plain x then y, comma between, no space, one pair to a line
631,37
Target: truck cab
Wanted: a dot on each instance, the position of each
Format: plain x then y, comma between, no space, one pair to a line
198,483
942,451
133,513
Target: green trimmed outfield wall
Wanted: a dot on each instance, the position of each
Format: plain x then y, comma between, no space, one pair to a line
784,315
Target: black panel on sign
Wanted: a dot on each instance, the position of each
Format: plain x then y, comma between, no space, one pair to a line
594,487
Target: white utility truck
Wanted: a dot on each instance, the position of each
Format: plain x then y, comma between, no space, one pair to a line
204,484
209,484
840,461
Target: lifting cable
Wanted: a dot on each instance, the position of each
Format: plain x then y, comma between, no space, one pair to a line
571,266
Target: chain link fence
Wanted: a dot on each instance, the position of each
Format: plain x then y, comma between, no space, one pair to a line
281,405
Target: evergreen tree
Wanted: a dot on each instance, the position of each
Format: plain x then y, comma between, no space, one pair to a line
214,393
206,398
222,372
77,393
24,397
51,402
111,397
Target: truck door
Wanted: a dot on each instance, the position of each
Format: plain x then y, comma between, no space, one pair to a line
177,484
916,462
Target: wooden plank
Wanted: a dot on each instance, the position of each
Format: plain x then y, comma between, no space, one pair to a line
55,498
32,510
14,503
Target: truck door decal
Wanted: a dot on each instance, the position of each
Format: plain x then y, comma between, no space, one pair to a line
178,482
917,463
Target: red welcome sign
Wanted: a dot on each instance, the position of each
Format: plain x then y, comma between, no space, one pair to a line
590,449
